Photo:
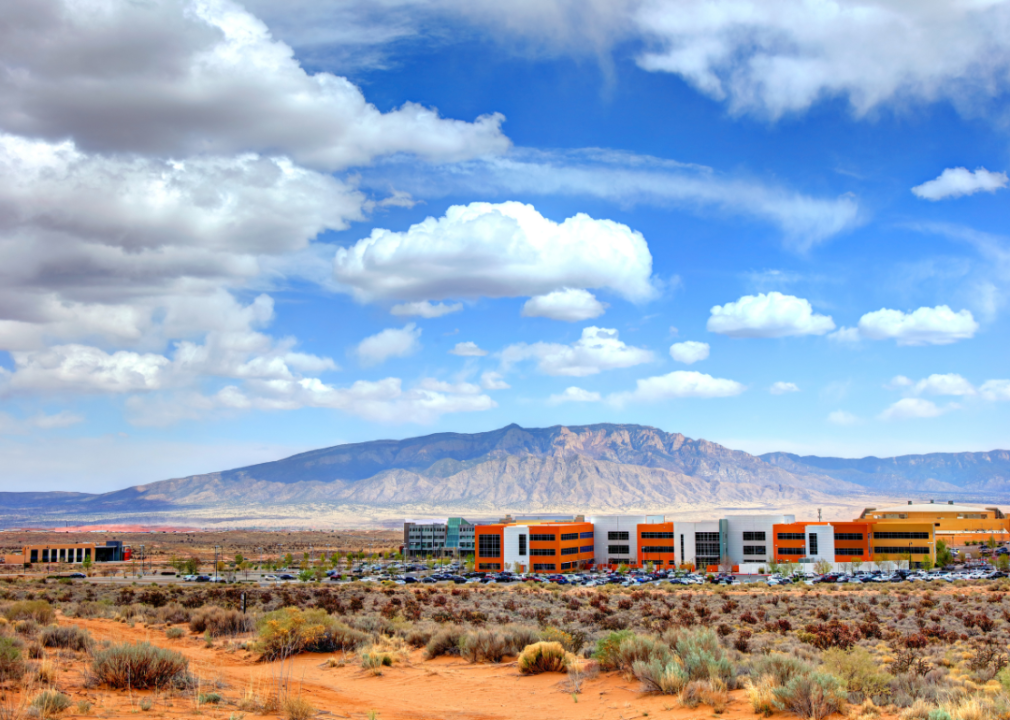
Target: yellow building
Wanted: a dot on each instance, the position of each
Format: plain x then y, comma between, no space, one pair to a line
953,524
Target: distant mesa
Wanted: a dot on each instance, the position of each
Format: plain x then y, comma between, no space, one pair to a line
588,468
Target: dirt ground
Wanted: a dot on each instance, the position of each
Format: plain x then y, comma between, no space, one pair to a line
443,688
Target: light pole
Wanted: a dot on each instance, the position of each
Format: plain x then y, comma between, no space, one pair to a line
217,549
143,555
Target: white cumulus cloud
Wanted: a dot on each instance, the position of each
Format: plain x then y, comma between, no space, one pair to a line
771,315
597,350
689,351
926,326
678,384
569,304
995,390
468,349
496,250
80,368
425,309
391,342
955,182
491,380
781,388
574,394
936,384
912,408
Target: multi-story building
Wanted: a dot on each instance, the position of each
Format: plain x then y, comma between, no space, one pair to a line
875,542
537,546
952,523
451,538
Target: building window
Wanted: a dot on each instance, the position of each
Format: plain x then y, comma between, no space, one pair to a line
790,551
586,548
549,537
617,561
657,536
849,551
619,535
813,544
489,566
569,536
618,549
542,552
540,567
848,536
34,556
586,535
568,565
792,536
901,536
706,548
570,551
522,544
682,548
489,546
754,549
754,536
898,550
658,549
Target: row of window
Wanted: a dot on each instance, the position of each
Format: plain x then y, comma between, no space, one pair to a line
858,552
848,536
792,536
755,549
619,549
899,550
901,536
570,551
618,535
754,536
542,537
658,549
657,536
489,566
542,552
544,566
569,536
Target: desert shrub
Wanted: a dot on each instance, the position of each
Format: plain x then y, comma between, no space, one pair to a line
445,642
290,631
833,633
567,640
636,648
420,635
173,613
484,646
12,664
211,698
519,636
38,610
375,660
89,609
708,692
69,637
27,627
812,696
139,666
702,656
543,657
659,676
50,702
779,667
219,622
606,652
174,633
858,670
298,708
761,694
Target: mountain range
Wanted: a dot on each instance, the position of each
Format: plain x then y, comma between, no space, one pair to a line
601,468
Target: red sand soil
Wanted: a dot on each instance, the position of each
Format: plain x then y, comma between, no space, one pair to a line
442,689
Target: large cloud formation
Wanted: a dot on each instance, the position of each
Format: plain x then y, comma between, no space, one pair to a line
156,158
771,315
497,250
597,350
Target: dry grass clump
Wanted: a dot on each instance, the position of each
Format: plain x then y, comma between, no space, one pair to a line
858,671
541,657
761,694
49,703
38,610
298,708
812,696
139,666
220,622
484,646
445,642
12,663
68,637
290,631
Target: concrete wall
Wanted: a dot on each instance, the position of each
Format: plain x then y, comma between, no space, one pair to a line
739,524
605,524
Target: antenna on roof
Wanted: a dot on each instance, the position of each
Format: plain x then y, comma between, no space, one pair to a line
818,514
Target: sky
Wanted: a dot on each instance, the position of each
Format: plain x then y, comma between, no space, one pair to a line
230,233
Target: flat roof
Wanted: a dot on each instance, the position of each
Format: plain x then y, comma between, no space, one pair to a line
931,507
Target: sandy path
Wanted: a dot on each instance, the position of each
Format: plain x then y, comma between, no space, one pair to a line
440,689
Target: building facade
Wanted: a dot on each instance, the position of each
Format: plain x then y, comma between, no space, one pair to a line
856,543
451,538
71,553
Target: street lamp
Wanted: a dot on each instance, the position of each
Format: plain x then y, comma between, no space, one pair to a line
217,549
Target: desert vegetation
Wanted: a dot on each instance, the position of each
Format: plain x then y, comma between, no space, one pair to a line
908,653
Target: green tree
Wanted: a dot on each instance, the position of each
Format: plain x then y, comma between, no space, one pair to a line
239,559
87,564
943,556
927,563
289,560
192,565
991,543
1003,562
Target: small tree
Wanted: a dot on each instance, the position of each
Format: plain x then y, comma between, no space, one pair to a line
87,564
1003,562
822,567
650,566
289,560
192,565
927,563
991,542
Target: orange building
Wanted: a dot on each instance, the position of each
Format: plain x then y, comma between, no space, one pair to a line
539,546
854,542
656,544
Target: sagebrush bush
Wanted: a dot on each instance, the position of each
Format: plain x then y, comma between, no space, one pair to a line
607,647
174,633
50,702
12,663
38,610
761,693
484,646
69,637
139,666
220,622
290,631
812,696
781,668
445,642
541,657
702,656
298,708
519,636
858,671
659,676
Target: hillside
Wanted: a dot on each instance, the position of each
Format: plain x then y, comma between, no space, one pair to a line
593,468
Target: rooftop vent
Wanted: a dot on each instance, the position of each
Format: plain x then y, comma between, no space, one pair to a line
909,502
950,502
930,502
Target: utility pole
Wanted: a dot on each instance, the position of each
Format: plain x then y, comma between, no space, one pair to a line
217,549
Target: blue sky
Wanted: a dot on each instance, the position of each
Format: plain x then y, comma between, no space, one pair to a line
229,233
